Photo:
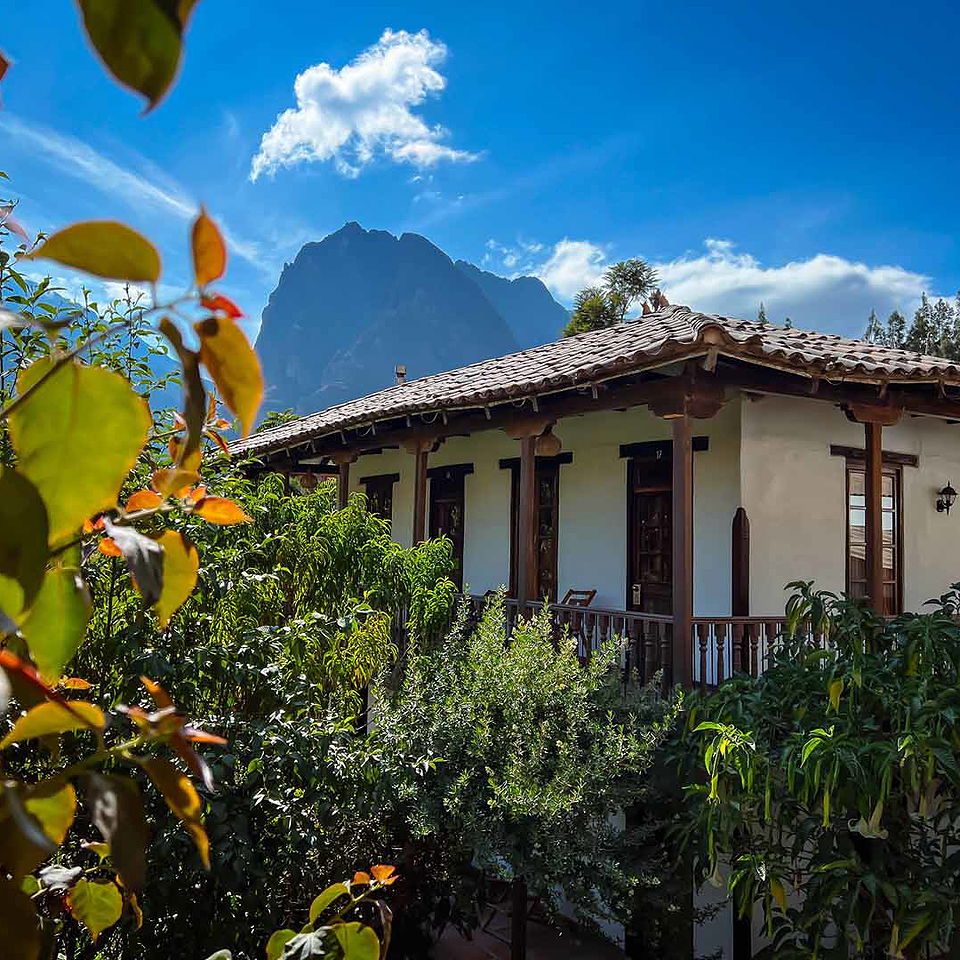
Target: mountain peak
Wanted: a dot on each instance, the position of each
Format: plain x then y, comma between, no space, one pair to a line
356,303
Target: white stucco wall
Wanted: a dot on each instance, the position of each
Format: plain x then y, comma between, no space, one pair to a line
592,547
794,492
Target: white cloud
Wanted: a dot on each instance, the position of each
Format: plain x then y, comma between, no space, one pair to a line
822,292
364,110
78,159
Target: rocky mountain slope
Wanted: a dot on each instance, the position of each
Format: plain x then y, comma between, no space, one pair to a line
354,305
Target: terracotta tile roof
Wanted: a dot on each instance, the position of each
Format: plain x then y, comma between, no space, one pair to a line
661,337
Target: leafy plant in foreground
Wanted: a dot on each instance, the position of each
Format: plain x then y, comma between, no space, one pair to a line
832,787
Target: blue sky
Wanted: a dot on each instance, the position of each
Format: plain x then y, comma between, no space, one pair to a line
803,154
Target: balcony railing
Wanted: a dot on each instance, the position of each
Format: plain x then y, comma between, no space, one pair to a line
722,646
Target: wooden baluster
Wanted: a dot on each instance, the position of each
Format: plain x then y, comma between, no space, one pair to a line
605,630
720,631
737,634
649,634
703,639
754,631
666,654
771,635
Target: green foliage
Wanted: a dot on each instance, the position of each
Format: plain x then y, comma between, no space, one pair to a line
597,307
527,755
835,775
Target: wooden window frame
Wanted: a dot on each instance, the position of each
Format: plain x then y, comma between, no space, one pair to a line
456,473
892,468
513,465
385,481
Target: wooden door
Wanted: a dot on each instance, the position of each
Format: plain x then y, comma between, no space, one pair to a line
650,534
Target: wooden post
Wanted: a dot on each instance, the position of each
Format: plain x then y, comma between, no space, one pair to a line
527,431
420,447
874,418
527,521
682,551
740,565
873,501
343,461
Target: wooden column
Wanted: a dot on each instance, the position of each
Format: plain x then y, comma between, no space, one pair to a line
343,461
874,418
420,448
873,501
528,432
683,551
527,521
740,567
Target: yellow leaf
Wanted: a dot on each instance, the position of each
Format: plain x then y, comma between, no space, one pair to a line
220,510
55,625
76,438
75,683
168,482
227,354
180,565
182,799
779,894
209,250
52,717
142,500
836,688
46,812
97,904
360,877
104,248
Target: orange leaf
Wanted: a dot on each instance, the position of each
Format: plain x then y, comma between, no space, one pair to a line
142,500
160,696
108,547
90,525
197,494
221,443
209,250
75,683
166,482
201,736
360,877
218,303
220,510
383,873
182,799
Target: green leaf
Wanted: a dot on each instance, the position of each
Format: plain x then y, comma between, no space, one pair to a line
117,812
139,41
52,717
277,942
226,352
104,248
143,556
40,817
77,437
836,688
358,942
311,945
54,627
97,904
18,924
23,542
326,898
180,565
182,799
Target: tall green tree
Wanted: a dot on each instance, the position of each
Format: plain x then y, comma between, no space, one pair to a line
624,284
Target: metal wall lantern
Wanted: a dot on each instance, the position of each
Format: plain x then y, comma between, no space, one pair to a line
946,498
